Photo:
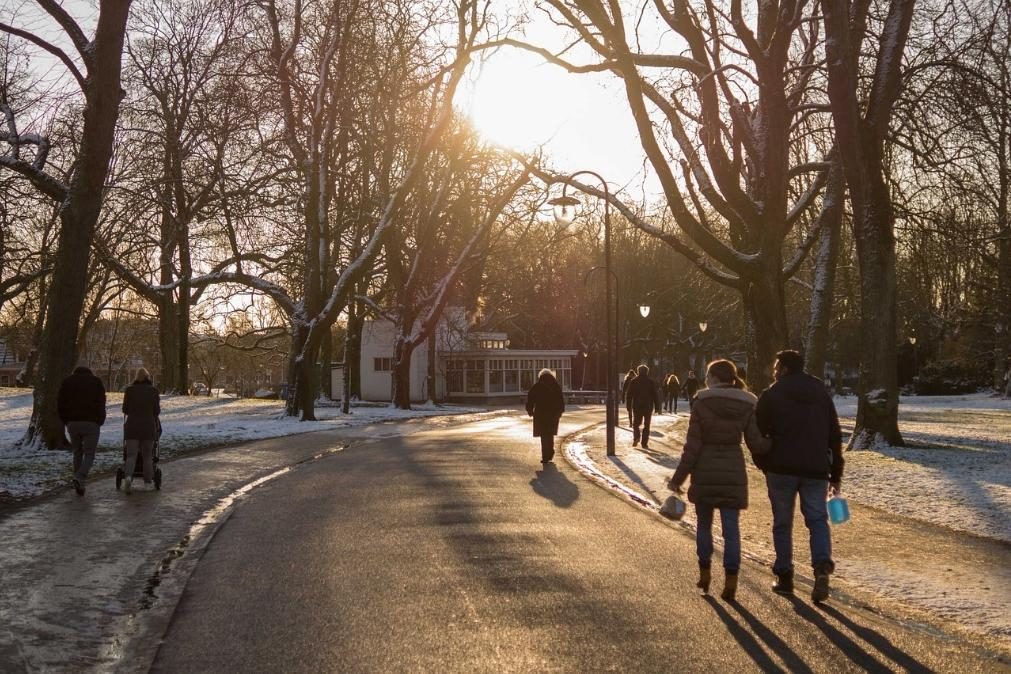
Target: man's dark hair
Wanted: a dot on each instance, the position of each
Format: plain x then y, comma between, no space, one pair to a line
791,361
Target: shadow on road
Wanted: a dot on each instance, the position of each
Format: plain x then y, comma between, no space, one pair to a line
633,476
554,486
878,641
792,661
751,646
850,648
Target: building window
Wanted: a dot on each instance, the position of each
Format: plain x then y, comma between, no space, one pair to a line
382,364
454,376
475,376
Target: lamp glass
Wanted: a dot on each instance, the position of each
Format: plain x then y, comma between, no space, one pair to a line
564,209
703,325
644,310
912,340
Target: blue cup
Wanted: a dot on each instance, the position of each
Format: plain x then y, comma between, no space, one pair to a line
838,510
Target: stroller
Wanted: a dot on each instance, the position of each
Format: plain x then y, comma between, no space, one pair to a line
138,468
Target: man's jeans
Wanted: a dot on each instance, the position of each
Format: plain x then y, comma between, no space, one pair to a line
731,537
783,490
84,440
641,418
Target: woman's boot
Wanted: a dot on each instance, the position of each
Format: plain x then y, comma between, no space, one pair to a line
705,577
729,587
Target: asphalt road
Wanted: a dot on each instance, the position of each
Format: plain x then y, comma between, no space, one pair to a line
452,550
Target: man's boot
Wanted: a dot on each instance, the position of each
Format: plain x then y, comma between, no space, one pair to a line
784,583
729,587
705,577
820,591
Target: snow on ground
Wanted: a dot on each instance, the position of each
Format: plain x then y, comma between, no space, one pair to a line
956,471
188,423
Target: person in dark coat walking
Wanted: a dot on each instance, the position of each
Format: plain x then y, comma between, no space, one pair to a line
142,407
712,456
645,399
80,405
545,404
673,386
629,376
797,413
690,387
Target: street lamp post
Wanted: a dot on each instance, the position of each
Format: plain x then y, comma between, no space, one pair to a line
564,211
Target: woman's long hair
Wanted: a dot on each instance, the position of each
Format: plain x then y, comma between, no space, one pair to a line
725,372
142,374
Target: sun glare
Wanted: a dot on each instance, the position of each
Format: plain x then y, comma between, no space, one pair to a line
518,101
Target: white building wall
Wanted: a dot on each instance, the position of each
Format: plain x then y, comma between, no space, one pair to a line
377,342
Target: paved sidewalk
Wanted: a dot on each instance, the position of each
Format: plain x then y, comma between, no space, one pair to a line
910,570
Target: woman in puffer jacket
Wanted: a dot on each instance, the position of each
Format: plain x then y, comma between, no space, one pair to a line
713,457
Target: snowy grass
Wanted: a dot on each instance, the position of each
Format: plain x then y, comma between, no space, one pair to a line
955,471
188,423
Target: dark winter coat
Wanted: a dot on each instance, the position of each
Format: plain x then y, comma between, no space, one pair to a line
141,407
690,386
81,398
798,414
642,395
712,453
545,404
625,383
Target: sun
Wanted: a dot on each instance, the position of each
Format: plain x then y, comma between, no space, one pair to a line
518,101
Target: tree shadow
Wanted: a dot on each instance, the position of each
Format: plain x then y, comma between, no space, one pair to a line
550,483
751,646
878,641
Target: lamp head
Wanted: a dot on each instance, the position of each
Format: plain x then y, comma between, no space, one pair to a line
703,325
912,340
564,209
644,310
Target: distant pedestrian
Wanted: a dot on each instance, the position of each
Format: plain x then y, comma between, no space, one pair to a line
80,405
142,408
805,458
673,390
712,456
629,376
645,399
1007,380
690,387
545,404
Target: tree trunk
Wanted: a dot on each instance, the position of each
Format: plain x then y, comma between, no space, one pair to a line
301,375
168,342
78,217
326,364
765,304
402,352
433,391
1002,333
182,360
822,295
878,405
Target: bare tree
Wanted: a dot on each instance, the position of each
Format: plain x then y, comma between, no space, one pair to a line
861,128
96,66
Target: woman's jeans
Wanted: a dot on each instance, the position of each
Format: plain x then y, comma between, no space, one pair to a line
783,490
731,537
146,449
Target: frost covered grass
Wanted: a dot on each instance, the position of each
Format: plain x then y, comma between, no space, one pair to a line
188,423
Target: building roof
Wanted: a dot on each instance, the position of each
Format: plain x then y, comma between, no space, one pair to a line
510,353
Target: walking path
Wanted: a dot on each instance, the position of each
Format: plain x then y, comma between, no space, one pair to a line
912,570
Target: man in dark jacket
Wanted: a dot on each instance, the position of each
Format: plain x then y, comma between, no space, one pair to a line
645,399
806,459
545,404
690,388
80,405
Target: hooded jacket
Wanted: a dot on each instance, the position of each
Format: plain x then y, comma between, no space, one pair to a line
141,407
799,416
712,454
545,404
81,398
